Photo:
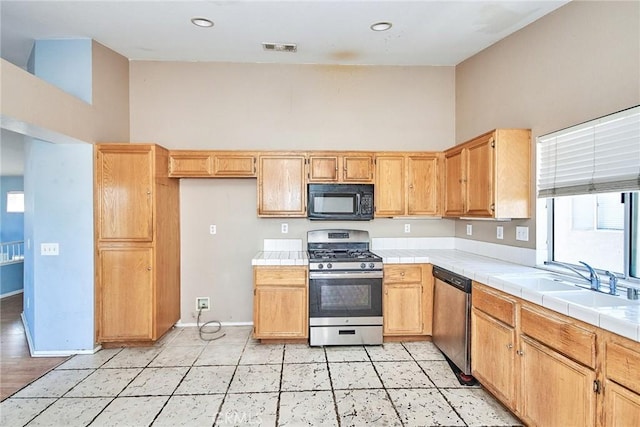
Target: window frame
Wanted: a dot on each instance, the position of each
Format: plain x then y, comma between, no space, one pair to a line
628,211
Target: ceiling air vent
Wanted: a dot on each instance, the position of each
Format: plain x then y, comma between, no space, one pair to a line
280,47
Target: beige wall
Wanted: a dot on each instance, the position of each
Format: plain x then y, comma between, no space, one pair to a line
575,64
263,107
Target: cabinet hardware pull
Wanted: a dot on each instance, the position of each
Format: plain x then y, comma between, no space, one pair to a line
492,207
148,268
492,142
520,352
596,386
402,273
410,185
509,346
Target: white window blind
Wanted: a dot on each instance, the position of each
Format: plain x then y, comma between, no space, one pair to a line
598,156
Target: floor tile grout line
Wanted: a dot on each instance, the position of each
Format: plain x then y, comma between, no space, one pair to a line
384,387
233,375
333,391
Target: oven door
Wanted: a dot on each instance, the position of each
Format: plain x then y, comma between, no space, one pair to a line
355,294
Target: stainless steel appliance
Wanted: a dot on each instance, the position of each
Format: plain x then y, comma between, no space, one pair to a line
343,202
345,288
452,319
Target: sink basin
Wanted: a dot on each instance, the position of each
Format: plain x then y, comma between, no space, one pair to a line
593,299
544,284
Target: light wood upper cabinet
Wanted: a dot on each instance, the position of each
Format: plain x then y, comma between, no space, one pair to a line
126,191
490,176
340,167
281,303
137,227
407,184
407,300
212,164
282,186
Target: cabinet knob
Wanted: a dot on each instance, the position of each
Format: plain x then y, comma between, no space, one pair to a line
410,185
509,346
148,268
402,273
520,352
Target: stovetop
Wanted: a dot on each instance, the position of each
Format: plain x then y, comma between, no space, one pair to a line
339,249
342,255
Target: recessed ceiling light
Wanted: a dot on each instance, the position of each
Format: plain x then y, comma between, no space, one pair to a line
381,26
202,22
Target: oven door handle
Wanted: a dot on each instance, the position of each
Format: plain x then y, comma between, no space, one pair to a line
346,275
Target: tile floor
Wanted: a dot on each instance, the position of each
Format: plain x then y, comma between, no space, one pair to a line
235,381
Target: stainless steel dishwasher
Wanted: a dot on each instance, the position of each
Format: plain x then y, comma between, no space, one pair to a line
452,319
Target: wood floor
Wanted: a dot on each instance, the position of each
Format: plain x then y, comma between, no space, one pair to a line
17,367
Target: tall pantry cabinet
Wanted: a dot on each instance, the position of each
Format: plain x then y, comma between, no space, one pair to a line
137,234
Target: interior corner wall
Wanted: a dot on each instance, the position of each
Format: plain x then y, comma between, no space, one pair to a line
578,63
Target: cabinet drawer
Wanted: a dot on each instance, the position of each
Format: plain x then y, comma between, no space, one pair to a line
494,305
562,335
621,365
402,274
283,276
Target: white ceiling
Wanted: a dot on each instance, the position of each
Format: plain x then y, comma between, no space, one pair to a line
326,32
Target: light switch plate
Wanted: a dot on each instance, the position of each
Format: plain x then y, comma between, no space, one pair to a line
522,233
469,229
49,249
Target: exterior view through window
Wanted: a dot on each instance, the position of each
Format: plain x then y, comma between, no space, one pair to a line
594,228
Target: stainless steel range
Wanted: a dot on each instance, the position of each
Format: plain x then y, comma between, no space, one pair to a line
345,288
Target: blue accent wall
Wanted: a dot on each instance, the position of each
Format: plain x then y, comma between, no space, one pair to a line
59,290
66,64
11,230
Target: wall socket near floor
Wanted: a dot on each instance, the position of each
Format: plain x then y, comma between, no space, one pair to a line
500,232
469,229
284,228
407,228
202,303
522,233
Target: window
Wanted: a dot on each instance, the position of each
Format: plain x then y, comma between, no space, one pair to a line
15,201
590,176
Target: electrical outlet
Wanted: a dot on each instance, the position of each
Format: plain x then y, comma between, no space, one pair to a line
49,249
500,232
284,228
213,229
469,229
407,228
522,233
202,303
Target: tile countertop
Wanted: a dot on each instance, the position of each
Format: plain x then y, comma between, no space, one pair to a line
623,320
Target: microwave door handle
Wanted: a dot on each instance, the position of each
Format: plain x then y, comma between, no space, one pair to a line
358,197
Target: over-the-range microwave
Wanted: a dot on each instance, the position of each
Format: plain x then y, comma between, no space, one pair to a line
340,202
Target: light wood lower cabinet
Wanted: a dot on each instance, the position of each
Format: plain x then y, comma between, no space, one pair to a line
281,303
407,299
550,369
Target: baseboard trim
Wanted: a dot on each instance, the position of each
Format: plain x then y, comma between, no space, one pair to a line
12,293
184,325
52,353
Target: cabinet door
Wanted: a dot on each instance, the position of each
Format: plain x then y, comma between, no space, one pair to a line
555,391
480,177
402,309
280,312
357,168
390,186
493,355
281,186
125,293
621,406
323,168
422,190
189,164
230,165
454,183
124,185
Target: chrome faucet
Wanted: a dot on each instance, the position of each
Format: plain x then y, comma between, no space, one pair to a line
593,279
613,283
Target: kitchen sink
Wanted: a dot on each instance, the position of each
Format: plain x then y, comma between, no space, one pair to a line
589,298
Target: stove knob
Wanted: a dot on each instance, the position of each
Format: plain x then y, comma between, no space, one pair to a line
363,265
320,266
329,265
371,265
